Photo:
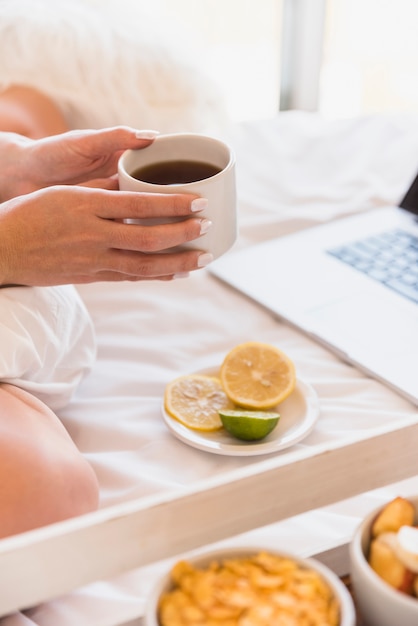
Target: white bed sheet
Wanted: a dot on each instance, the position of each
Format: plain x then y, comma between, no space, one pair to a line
293,171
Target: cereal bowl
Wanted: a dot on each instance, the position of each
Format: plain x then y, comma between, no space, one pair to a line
246,586
379,603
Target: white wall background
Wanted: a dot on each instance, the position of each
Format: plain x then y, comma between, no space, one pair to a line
369,54
238,44
370,60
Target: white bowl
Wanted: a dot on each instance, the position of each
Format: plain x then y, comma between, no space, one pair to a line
378,603
348,617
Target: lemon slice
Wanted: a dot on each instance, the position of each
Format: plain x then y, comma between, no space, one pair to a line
249,425
256,375
195,400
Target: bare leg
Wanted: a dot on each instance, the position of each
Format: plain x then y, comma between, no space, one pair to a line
26,111
43,477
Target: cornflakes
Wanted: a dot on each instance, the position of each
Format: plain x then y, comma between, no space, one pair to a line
261,590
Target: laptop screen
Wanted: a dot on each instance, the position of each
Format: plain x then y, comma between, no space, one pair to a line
410,199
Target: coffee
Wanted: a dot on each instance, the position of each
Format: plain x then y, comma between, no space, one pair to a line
175,172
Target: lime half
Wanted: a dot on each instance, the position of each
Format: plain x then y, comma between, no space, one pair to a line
249,425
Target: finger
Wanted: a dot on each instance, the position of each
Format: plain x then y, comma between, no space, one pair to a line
95,143
134,205
153,266
108,276
158,237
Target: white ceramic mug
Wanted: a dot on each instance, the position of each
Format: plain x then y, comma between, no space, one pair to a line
219,189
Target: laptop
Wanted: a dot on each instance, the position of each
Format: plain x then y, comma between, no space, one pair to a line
351,284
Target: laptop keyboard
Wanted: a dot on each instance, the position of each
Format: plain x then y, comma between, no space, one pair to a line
389,257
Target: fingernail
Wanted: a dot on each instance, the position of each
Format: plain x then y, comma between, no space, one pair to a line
181,275
199,204
204,259
204,226
146,134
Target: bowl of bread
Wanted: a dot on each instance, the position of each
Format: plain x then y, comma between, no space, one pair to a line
384,564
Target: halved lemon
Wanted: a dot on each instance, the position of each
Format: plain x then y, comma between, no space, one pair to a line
195,400
249,425
257,375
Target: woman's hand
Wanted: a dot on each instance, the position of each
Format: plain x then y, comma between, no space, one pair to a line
86,157
76,234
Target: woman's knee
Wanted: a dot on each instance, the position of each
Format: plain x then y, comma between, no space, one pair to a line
39,486
43,476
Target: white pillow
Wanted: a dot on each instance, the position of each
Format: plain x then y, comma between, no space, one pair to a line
107,64
47,341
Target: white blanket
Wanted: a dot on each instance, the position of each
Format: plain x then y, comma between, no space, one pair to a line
293,171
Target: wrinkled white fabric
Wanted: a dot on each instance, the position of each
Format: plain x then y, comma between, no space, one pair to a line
47,341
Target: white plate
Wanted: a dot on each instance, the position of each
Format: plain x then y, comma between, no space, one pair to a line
298,415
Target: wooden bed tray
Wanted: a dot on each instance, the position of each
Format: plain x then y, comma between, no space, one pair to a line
43,564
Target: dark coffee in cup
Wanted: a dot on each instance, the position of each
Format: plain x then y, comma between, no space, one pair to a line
175,172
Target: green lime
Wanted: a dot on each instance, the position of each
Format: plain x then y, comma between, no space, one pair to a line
249,425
